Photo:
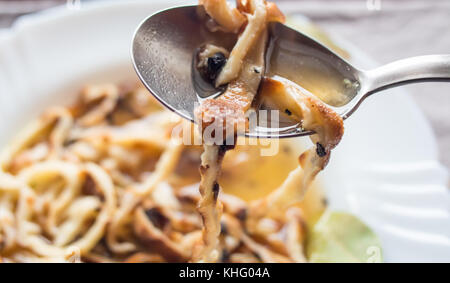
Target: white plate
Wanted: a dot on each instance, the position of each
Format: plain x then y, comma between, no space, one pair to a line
385,171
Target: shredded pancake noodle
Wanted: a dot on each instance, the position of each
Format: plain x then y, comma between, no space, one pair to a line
105,180
243,72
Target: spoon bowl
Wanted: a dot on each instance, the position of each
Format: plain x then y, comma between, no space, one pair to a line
163,54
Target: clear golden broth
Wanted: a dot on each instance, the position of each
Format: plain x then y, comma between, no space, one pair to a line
250,176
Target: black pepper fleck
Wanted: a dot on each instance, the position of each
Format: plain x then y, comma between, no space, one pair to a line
320,150
216,189
242,214
257,255
223,148
156,217
223,228
215,65
225,256
69,142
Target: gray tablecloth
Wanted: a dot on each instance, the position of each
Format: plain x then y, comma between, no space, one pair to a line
386,29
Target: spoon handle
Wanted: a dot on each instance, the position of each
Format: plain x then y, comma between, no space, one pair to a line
411,70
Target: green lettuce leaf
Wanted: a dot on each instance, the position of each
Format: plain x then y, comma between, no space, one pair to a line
341,237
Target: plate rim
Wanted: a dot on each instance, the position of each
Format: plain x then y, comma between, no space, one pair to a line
60,13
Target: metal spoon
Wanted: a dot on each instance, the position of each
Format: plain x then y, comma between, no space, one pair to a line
165,43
